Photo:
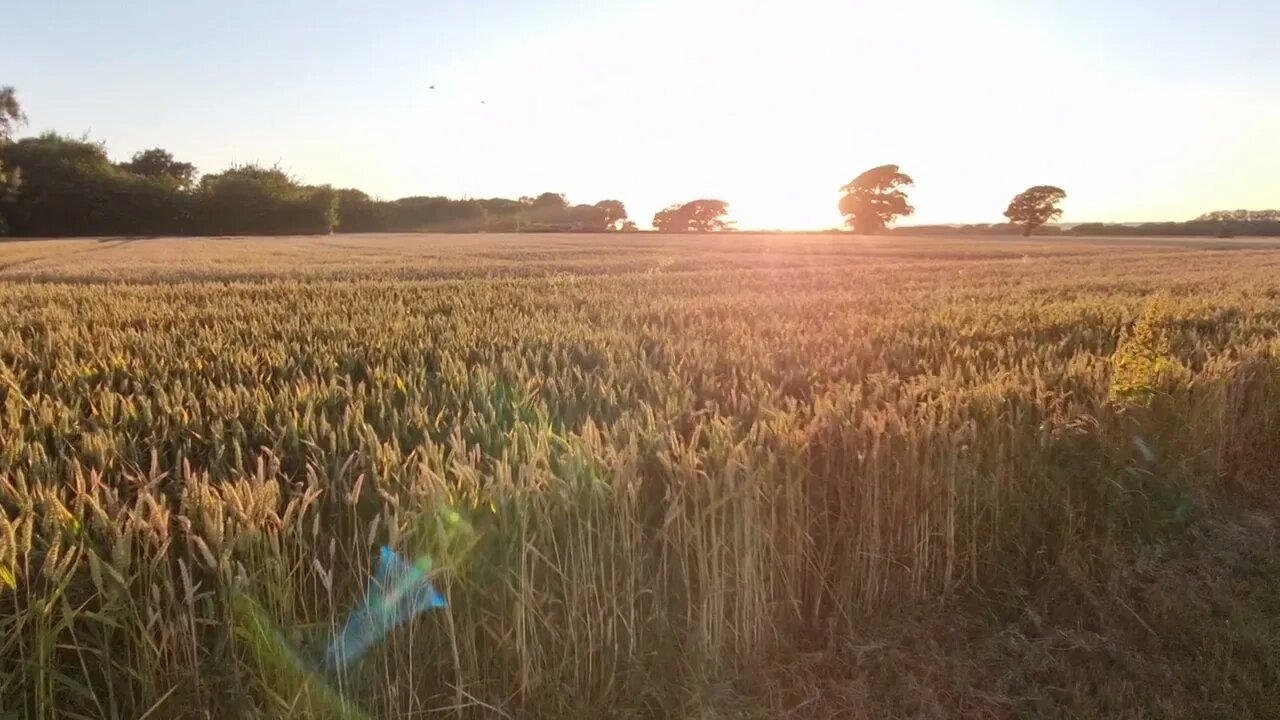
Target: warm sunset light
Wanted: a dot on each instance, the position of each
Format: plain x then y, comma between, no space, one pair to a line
662,360
770,106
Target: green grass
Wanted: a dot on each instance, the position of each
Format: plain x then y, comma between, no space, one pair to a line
743,476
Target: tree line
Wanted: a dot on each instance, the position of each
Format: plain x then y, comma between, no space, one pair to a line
1220,223
54,185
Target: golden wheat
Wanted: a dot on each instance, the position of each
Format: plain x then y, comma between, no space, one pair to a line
641,465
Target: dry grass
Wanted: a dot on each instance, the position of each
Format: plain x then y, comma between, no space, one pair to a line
684,464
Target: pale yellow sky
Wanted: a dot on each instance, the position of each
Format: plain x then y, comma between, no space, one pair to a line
1138,112
775,107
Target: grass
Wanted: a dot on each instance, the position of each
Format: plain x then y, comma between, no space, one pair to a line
749,476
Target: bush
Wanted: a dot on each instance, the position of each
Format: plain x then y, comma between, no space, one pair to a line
254,200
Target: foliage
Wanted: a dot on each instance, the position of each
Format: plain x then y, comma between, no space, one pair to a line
72,189
669,480
1035,206
549,203
972,229
251,199
1143,362
876,198
69,187
615,214
357,212
11,115
1192,228
694,216
158,164
1242,223
1241,216
10,183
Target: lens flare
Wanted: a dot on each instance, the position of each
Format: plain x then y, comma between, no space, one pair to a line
399,592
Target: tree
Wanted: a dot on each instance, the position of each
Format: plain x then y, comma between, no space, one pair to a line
1035,206
695,216
357,212
11,115
549,205
588,218
251,199
157,163
62,185
1248,216
615,213
70,187
875,199
545,212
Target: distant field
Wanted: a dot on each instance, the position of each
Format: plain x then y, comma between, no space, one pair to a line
735,476
452,255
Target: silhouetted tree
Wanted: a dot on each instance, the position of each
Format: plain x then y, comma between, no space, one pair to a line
695,216
159,164
1229,223
1035,206
586,218
501,214
11,117
615,213
875,199
549,204
70,187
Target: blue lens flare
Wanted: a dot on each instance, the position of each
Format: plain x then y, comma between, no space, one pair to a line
399,592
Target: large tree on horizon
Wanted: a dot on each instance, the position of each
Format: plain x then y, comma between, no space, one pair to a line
1035,206
875,199
694,216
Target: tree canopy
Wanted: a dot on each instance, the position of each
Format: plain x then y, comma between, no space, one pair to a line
253,199
11,115
158,163
1240,216
615,213
694,216
1035,206
549,212
71,187
876,198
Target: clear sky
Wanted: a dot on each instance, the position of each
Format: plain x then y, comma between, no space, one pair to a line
1140,110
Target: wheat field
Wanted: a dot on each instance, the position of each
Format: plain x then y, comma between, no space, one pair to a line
645,468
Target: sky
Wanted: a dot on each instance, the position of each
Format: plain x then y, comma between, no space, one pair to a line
1139,110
